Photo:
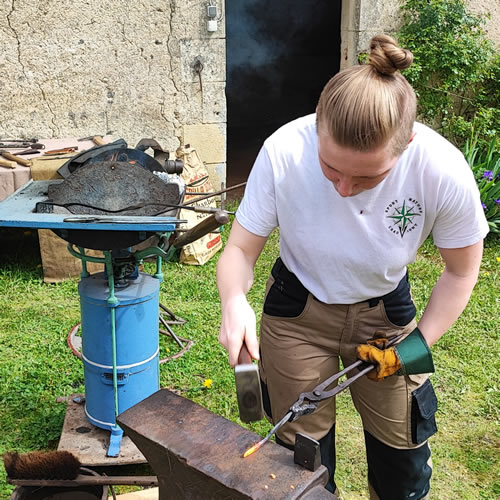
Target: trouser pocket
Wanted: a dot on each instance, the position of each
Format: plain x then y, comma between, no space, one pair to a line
287,297
398,304
423,411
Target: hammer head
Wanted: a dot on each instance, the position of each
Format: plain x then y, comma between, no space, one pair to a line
249,392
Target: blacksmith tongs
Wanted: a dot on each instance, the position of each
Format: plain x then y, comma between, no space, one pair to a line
308,401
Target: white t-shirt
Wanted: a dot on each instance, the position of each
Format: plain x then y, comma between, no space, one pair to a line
346,250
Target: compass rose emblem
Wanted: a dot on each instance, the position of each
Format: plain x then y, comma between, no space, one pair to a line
403,216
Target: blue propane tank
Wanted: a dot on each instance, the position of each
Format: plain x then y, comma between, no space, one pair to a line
137,345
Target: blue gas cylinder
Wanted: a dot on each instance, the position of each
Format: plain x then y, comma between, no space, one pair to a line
137,345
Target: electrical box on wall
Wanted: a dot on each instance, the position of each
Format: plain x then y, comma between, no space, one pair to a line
212,15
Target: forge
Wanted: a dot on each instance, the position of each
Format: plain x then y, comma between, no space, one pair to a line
112,199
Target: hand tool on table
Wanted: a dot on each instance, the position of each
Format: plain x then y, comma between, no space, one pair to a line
248,388
55,157
308,402
52,152
17,159
29,141
96,138
34,148
8,164
21,145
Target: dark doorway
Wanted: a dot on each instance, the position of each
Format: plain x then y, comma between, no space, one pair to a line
279,57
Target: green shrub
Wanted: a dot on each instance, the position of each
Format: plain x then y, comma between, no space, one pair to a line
455,71
486,169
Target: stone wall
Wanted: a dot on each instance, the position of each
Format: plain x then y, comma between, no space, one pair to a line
74,68
362,19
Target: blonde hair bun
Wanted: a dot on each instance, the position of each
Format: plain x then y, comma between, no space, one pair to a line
386,57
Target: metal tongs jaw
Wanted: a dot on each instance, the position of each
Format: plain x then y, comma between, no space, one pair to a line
308,402
301,408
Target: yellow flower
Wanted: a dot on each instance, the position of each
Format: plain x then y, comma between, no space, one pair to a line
498,259
486,273
208,383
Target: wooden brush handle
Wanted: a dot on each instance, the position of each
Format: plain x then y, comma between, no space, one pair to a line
82,479
8,164
15,158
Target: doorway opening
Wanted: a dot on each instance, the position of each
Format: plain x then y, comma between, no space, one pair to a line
279,56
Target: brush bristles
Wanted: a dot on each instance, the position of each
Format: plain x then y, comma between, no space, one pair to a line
41,465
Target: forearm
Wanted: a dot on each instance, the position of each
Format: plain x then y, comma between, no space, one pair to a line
234,279
234,274
235,265
412,355
448,299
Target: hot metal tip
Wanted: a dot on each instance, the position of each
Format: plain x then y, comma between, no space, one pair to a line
251,450
256,446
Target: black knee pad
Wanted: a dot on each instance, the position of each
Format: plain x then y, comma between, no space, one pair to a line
328,457
398,474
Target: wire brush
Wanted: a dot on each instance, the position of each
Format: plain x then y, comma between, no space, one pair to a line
41,465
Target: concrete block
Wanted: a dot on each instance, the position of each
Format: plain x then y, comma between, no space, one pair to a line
209,140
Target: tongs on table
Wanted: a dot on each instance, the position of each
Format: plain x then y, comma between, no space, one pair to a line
308,402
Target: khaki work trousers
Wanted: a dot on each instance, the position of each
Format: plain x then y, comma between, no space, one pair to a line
299,352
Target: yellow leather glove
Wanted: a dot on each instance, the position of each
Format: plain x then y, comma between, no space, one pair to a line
385,360
411,355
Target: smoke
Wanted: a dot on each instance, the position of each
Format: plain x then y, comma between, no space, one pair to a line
279,56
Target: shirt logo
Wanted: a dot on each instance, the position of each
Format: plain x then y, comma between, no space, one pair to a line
403,216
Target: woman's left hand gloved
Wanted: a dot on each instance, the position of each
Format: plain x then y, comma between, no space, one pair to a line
411,356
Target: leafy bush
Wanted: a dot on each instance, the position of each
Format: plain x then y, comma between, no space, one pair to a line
455,71
486,169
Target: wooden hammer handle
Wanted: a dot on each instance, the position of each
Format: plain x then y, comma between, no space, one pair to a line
6,163
244,356
15,158
98,140
206,226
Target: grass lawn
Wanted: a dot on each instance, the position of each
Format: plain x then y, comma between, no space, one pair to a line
37,366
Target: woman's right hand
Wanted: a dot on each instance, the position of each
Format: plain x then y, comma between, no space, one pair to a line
238,331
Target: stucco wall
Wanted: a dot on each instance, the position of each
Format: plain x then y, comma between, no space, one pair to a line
362,19
84,67
492,26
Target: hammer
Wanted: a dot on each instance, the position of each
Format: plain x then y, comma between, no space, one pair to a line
17,159
248,388
97,139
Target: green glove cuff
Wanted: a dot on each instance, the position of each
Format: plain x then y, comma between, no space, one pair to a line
414,355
